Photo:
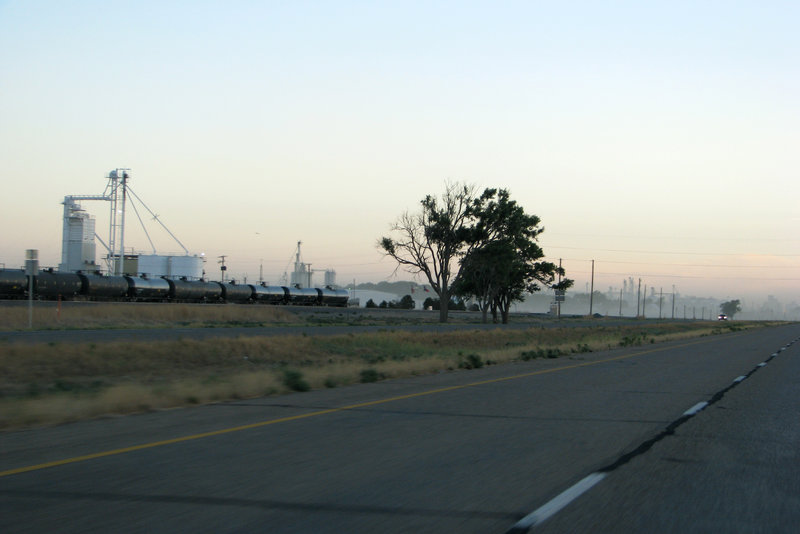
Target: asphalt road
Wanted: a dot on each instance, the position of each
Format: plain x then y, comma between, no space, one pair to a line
470,451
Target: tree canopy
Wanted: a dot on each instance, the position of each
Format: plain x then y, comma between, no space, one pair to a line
730,308
504,261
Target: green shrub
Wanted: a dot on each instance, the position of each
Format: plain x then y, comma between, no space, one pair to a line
472,361
526,355
294,380
370,375
632,340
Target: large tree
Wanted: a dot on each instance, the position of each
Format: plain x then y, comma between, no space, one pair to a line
504,260
730,308
432,241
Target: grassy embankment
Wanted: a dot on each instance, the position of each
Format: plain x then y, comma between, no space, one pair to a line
125,315
52,383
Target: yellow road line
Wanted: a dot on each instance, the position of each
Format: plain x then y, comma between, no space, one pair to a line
250,426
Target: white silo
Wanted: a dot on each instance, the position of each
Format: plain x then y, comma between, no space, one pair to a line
78,251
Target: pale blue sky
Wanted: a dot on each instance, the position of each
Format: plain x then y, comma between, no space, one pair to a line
659,139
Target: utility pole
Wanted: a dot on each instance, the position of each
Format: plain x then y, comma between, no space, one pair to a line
223,268
591,291
31,269
660,302
558,302
644,302
673,301
638,297
620,299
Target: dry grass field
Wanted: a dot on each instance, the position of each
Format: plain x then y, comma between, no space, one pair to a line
90,315
52,383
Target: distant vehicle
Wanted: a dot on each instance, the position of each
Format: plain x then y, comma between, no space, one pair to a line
722,317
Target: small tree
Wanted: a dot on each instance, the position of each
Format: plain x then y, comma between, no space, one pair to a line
431,303
730,308
407,303
371,304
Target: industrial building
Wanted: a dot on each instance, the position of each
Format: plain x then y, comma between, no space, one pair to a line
79,254
78,248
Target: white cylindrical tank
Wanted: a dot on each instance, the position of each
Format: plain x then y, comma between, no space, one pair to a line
152,265
155,265
190,267
77,246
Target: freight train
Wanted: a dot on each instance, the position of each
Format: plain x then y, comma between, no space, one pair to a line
53,285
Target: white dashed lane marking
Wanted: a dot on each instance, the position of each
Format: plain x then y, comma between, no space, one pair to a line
553,506
696,408
564,498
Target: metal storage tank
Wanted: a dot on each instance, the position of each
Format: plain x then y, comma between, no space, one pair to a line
13,283
152,265
190,267
175,267
198,291
98,286
148,288
333,297
51,285
269,294
302,296
236,293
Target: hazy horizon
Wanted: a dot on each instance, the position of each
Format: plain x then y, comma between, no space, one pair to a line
656,140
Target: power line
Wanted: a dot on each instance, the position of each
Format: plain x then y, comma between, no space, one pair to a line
683,238
656,275
672,252
713,266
